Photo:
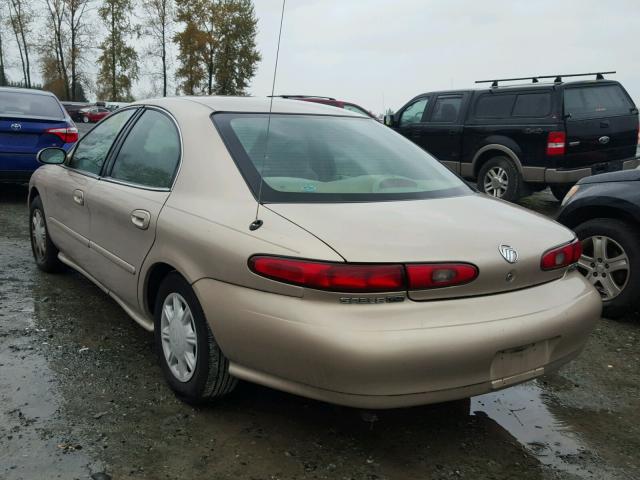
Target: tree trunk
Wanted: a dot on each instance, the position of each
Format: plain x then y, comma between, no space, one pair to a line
113,56
164,50
74,79
3,77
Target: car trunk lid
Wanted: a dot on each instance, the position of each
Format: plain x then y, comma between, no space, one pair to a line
22,135
468,229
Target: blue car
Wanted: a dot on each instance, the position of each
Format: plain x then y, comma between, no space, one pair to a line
30,120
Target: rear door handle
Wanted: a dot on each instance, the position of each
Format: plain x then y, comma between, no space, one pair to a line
78,196
141,219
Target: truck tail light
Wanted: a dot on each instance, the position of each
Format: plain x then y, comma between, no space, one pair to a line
67,135
556,142
362,278
561,257
437,275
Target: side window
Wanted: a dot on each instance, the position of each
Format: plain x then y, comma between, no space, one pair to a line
597,101
413,113
494,105
150,154
446,109
91,152
535,105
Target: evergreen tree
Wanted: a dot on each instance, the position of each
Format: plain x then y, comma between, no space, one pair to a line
118,61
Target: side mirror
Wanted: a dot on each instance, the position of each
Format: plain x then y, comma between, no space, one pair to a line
52,156
389,120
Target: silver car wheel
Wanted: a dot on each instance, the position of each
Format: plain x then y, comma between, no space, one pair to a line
496,182
606,265
179,338
39,234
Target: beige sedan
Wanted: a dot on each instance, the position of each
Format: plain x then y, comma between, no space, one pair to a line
311,250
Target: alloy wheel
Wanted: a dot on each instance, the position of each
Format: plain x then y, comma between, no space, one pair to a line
179,338
496,182
605,264
39,234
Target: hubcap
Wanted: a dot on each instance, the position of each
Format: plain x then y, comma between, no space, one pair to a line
496,182
179,339
38,234
605,264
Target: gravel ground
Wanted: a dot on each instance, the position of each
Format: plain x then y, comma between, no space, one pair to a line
82,396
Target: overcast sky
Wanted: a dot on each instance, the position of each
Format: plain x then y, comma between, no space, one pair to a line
380,53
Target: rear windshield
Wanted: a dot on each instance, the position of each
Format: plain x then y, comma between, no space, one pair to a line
29,105
313,158
596,101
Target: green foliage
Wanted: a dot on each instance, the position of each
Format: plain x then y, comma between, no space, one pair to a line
236,55
217,47
118,61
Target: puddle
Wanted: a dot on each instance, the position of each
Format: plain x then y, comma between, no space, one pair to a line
523,412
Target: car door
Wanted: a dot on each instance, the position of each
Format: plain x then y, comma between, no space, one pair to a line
411,118
442,132
68,208
126,202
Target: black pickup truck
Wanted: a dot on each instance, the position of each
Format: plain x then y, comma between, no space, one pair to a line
520,138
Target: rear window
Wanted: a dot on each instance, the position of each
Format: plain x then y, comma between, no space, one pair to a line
494,106
596,101
532,105
313,158
29,105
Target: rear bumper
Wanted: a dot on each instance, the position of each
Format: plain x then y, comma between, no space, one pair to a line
394,355
551,175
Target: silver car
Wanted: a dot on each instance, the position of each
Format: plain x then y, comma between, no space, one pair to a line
311,250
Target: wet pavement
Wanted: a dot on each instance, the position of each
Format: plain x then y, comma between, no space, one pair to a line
81,394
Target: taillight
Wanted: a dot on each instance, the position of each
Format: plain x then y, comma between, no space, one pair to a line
556,142
362,278
438,275
561,257
67,135
337,277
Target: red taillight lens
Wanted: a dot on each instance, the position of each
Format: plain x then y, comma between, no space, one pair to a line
438,275
561,257
556,142
331,276
67,135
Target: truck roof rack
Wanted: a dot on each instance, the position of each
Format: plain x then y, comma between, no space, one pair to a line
300,96
557,78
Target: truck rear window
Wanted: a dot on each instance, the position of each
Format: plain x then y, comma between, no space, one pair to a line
29,105
596,101
533,105
494,106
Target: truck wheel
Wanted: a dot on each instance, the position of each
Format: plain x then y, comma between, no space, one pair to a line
85,119
559,191
500,178
192,362
611,262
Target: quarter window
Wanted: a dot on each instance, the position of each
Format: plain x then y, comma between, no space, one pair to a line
150,154
92,150
413,113
446,109
494,106
532,105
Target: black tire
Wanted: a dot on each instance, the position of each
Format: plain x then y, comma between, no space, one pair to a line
560,190
515,188
45,253
628,237
210,378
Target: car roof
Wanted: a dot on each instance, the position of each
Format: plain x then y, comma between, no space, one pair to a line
250,104
33,91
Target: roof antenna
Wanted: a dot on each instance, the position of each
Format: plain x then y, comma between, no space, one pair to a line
257,223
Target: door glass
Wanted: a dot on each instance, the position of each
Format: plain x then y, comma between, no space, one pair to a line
92,150
150,154
535,105
600,101
413,113
446,109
